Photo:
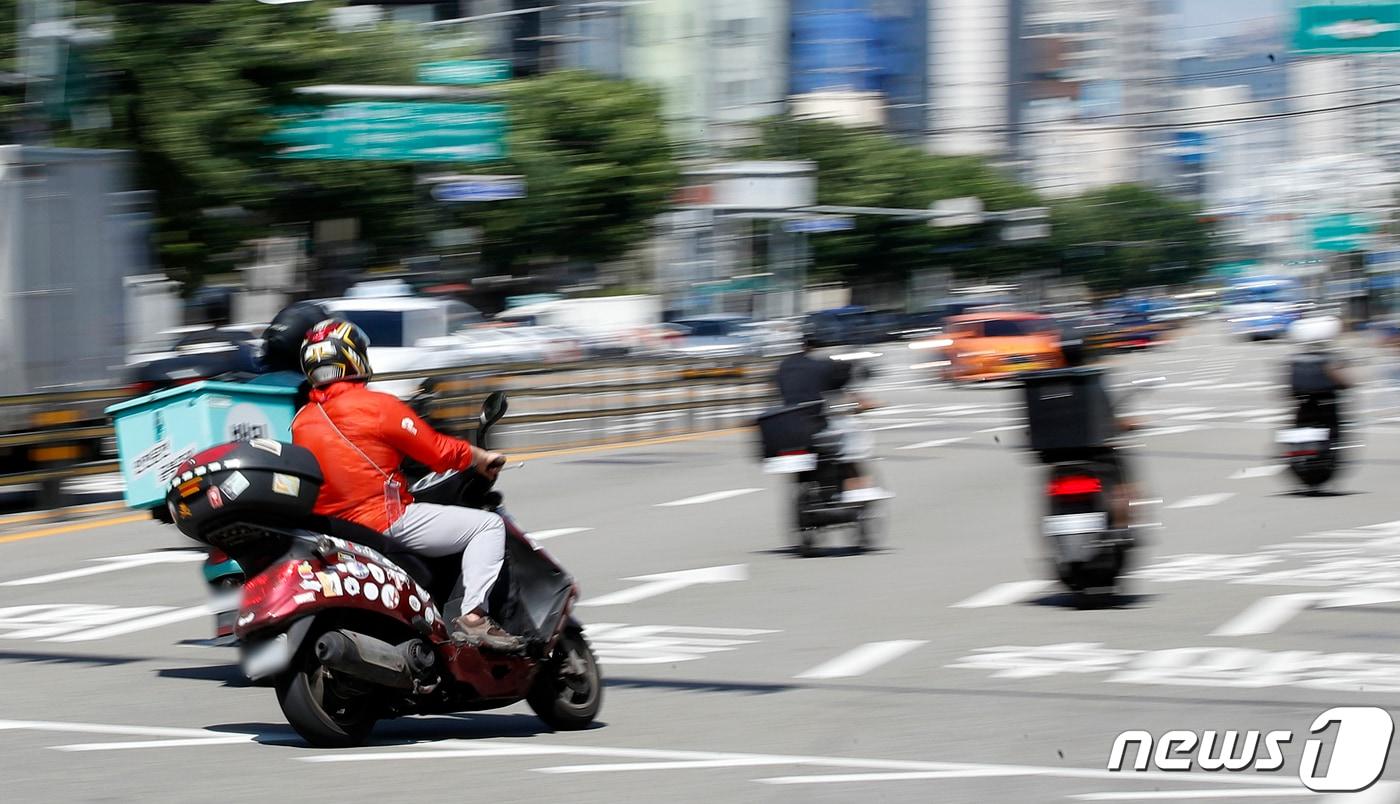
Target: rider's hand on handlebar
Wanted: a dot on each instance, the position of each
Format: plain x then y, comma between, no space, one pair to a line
490,464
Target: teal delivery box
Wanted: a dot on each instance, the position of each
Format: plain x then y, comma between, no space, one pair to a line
156,433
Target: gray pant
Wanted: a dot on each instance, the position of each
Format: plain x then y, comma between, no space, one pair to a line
440,530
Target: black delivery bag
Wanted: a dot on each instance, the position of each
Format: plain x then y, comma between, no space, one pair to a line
784,431
1068,410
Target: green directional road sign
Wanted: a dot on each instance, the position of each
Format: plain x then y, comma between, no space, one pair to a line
1339,233
1348,28
394,132
477,71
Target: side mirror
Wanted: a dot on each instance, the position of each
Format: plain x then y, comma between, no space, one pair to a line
494,408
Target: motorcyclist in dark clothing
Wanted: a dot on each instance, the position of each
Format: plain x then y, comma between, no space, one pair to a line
806,377
1317,375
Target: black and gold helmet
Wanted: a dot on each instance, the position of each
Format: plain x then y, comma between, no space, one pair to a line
335,350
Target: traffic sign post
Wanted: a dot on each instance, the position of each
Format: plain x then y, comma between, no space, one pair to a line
396,132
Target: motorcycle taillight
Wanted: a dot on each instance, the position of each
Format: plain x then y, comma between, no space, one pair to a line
1074,486
256,589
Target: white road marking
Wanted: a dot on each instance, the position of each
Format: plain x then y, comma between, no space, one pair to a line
1265,616
541,535
844,778
1003,594
620,643
714,496
1172,795
937,442
112,564
1258,471
902,426
177,743
1163,431
141,624
1203,500
680,759
684,764
1003,429
663,582
44,621
104,728
863,659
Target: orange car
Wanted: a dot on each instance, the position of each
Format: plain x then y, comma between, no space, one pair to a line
993,345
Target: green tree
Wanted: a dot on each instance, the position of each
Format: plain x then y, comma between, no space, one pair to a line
1129,236
191,91
598,168
867,168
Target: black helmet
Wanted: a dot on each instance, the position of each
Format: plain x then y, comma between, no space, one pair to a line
282,338
335,350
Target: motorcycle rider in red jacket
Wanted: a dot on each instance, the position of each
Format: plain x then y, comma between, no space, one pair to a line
361,437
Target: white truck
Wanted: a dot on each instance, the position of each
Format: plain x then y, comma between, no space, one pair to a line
629,321
72,241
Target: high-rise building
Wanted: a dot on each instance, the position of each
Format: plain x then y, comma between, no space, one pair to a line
861,62
1098,81
976,68
721,65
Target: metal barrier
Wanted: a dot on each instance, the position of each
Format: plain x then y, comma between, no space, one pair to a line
603,401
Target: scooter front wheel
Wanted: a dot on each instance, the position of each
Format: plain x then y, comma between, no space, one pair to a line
568,690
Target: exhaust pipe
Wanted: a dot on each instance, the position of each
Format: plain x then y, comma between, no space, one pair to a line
374,660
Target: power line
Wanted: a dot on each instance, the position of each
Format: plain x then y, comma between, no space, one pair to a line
1162,126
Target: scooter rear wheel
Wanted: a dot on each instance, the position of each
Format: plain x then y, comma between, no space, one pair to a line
323,709
568,690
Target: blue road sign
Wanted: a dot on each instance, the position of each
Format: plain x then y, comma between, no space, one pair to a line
826,223
480,190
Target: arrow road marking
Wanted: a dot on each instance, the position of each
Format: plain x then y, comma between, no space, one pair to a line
663,582
112,564
863,659
714,496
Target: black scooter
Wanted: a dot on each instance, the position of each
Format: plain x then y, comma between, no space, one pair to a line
1311,448
798,442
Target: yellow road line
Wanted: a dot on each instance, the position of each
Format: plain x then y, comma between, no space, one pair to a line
93,524
646,442
76,527
38,516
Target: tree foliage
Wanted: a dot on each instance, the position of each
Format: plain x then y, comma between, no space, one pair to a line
193,90
597,165
1129,236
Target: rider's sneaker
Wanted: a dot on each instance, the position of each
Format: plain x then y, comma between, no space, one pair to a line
486,634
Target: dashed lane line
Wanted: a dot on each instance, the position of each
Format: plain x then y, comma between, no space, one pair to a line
1202,500
863,659
1003,594
714,496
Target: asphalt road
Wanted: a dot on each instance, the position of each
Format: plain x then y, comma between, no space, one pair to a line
942,667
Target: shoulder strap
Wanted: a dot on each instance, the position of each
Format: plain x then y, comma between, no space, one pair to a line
352,444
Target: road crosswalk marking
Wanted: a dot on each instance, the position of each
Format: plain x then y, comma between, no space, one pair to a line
862,660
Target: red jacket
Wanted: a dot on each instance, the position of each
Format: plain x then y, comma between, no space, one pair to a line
386,430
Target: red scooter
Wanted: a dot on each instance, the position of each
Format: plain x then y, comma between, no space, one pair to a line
348,629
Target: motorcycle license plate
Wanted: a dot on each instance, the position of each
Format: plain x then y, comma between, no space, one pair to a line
1068,524
790,464
1303,435
268,658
